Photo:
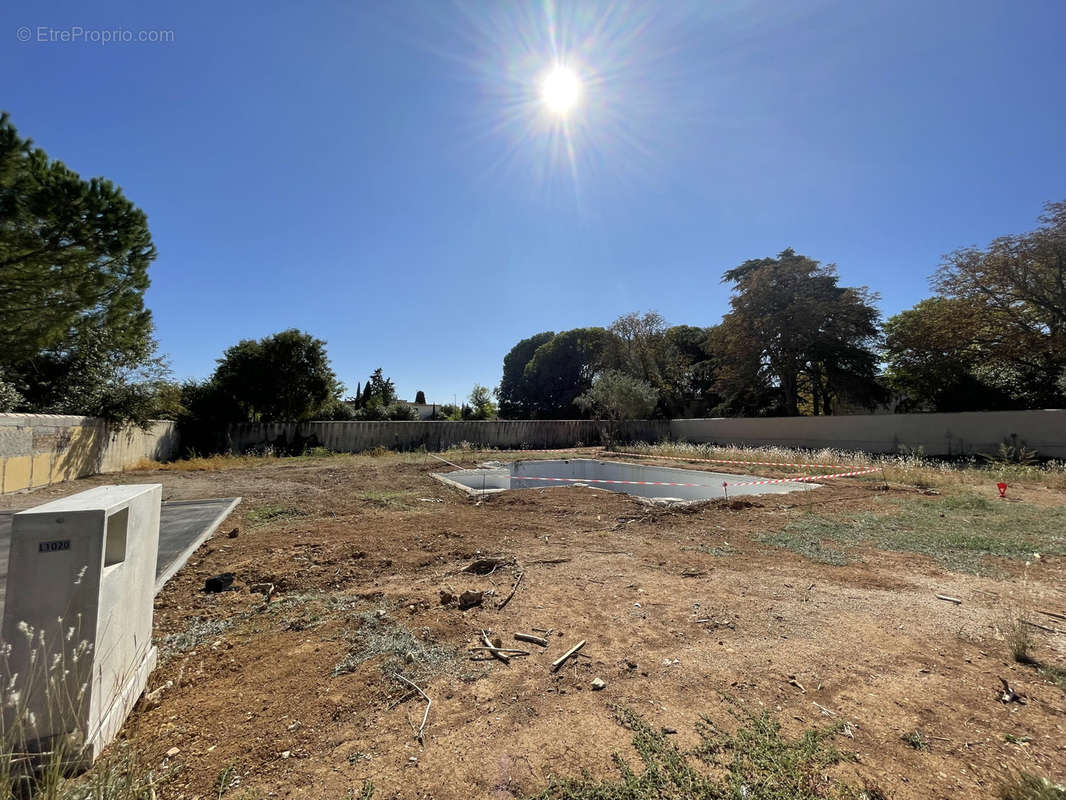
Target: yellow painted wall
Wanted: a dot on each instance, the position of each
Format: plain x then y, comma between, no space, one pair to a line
17,473
39,449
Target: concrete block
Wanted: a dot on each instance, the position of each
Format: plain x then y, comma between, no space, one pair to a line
81,579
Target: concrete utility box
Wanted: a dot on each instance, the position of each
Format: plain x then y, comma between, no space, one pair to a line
80,586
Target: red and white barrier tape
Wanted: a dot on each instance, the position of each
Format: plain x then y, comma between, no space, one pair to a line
726,461
797,479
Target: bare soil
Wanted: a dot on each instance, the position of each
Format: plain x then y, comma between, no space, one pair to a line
680,608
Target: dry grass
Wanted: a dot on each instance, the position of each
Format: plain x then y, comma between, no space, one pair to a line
907,469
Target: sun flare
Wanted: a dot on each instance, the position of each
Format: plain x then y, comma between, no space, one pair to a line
560,90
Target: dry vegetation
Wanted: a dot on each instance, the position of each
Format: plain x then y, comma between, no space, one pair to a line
784,646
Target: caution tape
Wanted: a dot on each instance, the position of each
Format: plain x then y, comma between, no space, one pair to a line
727,461
725,484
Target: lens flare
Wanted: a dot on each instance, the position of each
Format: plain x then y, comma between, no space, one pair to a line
560,90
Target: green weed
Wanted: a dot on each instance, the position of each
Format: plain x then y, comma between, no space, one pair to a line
754,763
958,531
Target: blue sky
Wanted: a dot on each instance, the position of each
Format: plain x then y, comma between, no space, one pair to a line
385,175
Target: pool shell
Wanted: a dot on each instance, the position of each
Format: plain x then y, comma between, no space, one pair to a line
616,476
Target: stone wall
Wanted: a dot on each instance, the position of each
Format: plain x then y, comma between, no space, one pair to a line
39,449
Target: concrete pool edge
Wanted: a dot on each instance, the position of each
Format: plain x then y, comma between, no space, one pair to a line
643,481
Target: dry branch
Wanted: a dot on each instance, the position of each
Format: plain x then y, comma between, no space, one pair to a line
565,656
425,717
514,589
529,637
496,653
954,600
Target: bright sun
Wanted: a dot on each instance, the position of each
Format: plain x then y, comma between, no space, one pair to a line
560,90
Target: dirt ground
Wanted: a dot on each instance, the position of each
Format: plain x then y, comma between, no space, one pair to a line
680,609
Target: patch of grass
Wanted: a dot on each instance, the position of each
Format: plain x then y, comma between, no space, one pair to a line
226,780
199,631
755,762
394,499
914,739
376,636
1027,786
1055,674
716,551
303,611
807,543
958,531
266,514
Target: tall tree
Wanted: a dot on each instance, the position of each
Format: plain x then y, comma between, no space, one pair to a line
286,377
563,368
481,405
936,360
793,336
639,346
75,336
515,393
74,256
1014,291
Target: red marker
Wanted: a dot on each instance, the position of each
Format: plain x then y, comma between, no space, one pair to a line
1002,489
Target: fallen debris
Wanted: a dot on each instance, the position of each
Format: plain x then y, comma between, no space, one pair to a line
446,597
1052,614
497,653
233,534
529,637
566,656
792,680
470,599
514,589
219,583
425,717
507,651
949,599
265,589
1008,695
487,565
598,684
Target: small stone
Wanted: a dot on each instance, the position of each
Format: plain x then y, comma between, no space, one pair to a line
173,751
286,753
233,534
446,597
598,683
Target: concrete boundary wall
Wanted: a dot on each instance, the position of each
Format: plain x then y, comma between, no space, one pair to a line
39,449
354,437
934,434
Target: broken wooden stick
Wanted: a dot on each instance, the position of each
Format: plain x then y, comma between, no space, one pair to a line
529,637
954,600
565,656
493,649
507,651
425,717
514,589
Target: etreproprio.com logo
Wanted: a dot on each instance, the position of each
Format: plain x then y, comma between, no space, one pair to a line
78,34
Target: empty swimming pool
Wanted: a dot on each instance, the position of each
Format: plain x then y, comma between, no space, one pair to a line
615,476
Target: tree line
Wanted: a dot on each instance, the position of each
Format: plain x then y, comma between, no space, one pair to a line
796,342
76,338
